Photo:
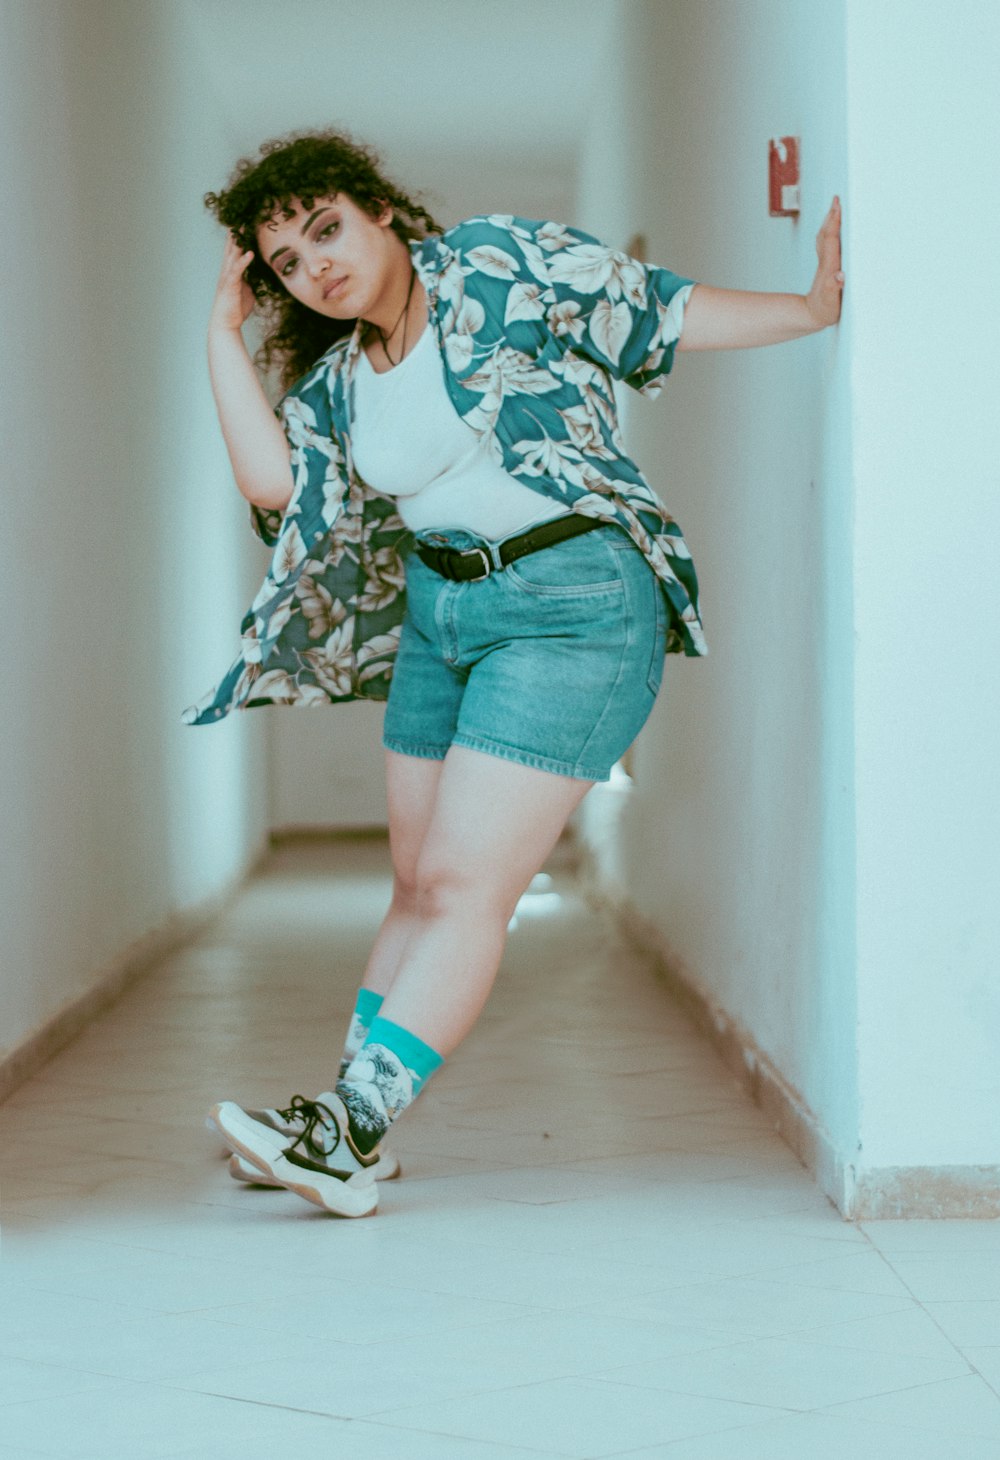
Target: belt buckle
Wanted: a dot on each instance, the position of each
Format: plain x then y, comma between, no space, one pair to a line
486,560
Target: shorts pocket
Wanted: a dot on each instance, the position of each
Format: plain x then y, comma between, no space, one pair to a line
657,663
580,566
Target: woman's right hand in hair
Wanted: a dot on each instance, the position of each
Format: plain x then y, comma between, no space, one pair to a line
234,299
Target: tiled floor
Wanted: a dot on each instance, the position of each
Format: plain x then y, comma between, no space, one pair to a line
597,1246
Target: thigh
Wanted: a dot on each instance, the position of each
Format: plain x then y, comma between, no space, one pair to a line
494,823
411,790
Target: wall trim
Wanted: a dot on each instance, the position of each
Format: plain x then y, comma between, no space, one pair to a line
859,1195
139,958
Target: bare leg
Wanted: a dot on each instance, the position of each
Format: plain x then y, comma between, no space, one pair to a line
411,789
494,823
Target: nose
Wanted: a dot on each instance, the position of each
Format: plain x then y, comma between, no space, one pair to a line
319,267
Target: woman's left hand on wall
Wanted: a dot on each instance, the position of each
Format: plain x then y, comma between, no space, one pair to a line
824,298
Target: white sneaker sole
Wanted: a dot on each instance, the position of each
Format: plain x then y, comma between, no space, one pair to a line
387,1167
240,1169
355,1196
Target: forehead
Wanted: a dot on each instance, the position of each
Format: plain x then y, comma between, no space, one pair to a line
279,223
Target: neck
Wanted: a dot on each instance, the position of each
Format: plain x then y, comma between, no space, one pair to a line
387,311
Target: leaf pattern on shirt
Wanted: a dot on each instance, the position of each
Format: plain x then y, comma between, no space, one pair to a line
385,580
333,664
534,319
321,610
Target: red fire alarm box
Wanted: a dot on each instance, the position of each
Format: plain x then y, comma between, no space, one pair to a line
783,177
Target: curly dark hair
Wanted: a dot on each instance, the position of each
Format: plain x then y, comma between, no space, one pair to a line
305,165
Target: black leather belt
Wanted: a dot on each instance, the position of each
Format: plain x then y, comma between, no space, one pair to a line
465,565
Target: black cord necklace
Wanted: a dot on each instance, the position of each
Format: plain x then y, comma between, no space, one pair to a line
386,337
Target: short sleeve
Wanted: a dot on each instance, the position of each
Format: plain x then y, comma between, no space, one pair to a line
316,456
309,447
616,311
266,521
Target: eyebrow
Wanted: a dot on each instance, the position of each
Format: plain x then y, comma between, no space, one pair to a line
284,247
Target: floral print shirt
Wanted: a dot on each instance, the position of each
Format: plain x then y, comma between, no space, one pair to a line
533,319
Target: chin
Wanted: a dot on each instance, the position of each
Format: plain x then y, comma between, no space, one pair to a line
323,307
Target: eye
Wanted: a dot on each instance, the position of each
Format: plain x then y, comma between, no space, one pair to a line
289,264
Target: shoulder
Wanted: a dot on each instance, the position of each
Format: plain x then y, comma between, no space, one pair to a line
509,245
548,233
315,382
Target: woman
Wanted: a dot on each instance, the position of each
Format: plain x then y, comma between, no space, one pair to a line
457,530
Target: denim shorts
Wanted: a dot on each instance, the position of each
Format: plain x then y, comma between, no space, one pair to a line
554,661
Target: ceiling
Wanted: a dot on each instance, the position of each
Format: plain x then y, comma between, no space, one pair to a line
475,107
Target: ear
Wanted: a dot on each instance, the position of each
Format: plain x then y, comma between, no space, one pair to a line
386,215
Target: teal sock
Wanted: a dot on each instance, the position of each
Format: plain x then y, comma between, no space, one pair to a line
387,1074
367,1006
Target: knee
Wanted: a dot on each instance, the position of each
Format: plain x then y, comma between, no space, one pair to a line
431,891
442,889
405,898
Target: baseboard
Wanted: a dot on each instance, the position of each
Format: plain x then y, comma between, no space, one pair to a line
293,832
858,1195
136,961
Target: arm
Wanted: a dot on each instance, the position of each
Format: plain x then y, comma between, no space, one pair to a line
257,445
737,319
255,439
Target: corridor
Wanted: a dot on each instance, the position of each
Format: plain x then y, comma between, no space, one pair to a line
597,1246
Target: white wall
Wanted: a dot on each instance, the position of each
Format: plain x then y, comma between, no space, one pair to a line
812,835
736,844
924,143
122,582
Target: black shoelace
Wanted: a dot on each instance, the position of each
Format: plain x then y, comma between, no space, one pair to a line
312,1113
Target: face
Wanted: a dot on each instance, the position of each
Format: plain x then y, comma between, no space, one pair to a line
332,240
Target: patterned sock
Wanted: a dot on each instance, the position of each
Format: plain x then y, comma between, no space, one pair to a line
385,1076
367,1006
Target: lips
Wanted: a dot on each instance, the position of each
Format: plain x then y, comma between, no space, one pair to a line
329,288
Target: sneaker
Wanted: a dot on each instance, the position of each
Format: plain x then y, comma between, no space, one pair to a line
240,1169
322,1164
290,1124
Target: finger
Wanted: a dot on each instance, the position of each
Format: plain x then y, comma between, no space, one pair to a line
234,248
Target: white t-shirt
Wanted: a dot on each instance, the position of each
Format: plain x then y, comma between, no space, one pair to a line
409,442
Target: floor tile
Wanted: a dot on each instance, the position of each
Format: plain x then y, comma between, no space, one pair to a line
819,1437
951,1238
986,1362
910,1330
352,1312
576,1417
943,1278
749,1307
558,1272
963,1405
146,1420
22,1382
787,1374
974,1322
